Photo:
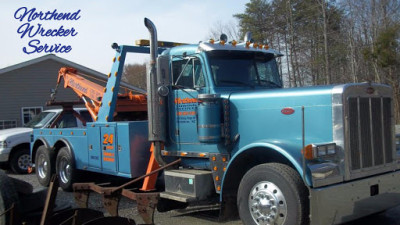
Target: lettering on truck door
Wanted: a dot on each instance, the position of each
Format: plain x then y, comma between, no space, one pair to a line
188,78
108,144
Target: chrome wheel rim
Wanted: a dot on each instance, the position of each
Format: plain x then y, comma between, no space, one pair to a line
267,204
24,161
65,170
42,167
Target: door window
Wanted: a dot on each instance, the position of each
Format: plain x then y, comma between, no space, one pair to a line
188,73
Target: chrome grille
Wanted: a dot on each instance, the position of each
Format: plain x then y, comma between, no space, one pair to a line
370,138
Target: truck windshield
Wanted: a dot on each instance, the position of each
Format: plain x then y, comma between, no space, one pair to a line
244,68
40,120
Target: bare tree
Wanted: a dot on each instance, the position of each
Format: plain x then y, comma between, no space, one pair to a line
229,28
135,74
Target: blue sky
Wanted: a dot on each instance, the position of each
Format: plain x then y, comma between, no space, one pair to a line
103,22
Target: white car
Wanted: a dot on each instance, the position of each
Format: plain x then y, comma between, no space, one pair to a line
15,142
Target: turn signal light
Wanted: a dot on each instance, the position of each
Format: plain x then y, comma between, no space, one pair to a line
308,152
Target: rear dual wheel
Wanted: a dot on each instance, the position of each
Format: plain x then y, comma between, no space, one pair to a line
63,164
65,168
44,162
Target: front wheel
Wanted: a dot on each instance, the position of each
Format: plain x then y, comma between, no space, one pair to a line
20,161
272,193
65,167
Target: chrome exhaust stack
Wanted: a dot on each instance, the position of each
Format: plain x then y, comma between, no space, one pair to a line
156,104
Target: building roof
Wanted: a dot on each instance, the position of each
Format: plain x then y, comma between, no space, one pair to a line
80,68
77,66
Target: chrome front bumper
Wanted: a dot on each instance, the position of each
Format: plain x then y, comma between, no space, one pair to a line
349,201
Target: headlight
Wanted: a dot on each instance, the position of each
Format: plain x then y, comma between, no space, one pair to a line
314,151
3,144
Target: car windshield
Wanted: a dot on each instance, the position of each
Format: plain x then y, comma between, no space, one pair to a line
40,120
244,68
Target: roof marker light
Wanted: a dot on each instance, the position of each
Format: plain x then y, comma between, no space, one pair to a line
234,43
247,44
266,47
211,41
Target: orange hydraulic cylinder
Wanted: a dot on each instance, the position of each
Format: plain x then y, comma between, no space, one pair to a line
149,182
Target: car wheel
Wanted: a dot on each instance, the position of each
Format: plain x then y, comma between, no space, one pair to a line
20,161
65,167
272,194
44,165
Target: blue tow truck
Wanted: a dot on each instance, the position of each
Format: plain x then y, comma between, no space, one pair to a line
318,155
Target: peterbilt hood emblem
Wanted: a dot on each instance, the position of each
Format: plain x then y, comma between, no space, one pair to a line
287,111
370,90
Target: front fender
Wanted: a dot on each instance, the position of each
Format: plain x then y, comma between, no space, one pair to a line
290,151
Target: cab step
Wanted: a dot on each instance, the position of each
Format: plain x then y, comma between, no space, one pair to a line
186,185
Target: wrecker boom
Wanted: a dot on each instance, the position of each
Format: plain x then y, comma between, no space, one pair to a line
92,94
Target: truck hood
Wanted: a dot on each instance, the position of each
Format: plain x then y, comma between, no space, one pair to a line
283,97
275,115
13,132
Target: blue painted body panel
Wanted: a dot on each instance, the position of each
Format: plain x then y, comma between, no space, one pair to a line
262,122
257,116
126,153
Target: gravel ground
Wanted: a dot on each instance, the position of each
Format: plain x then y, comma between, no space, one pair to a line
127,208
193,215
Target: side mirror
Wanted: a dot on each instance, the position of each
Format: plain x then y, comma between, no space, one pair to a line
53,93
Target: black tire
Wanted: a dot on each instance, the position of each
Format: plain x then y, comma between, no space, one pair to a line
272,192
9,196
44,163
20,161
65,169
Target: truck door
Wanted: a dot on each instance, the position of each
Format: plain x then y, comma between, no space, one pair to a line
95,152
188,80
108,143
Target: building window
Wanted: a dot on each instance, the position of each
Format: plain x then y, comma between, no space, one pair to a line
29,112
5,124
